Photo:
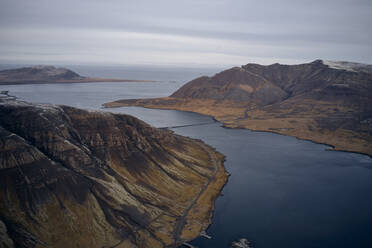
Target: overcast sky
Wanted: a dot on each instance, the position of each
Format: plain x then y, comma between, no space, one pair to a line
184,33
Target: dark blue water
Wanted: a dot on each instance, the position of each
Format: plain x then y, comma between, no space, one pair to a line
285,192
282,192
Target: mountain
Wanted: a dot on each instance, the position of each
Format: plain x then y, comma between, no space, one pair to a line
323,101
235,84
77,178
49,74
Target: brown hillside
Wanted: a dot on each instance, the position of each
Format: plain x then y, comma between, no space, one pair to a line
326,102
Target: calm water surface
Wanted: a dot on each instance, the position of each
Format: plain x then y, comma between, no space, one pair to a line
282,192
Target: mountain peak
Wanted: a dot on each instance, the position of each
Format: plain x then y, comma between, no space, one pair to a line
317,61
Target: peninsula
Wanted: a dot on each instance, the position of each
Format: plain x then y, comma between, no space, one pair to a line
323,101
77,178
49,74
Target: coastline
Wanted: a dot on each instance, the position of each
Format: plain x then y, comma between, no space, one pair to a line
198,216
331,149
226,124
213,209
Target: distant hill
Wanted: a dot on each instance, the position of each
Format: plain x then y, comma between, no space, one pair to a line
50,74
236,84
38,73
264,85
324,101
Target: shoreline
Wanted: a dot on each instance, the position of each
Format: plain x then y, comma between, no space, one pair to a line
186,230
116,104
213,210
331,149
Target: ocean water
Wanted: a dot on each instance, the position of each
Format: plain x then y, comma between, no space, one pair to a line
282,192
157,73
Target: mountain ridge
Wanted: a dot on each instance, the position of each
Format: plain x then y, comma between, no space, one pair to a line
310,101
78,178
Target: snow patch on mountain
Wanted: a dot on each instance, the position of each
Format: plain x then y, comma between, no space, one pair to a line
348,66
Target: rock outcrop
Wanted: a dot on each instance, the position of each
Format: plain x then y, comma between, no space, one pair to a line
327,102
241,243
74,178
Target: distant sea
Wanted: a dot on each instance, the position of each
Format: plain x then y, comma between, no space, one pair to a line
145,72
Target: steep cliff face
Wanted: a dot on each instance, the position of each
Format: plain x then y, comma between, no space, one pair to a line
73,178
327,102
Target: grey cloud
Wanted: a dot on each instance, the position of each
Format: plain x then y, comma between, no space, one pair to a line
313,29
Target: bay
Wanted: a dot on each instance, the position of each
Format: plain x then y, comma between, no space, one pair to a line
282,192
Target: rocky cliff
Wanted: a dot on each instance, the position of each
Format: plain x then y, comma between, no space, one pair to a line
323,101
73,178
